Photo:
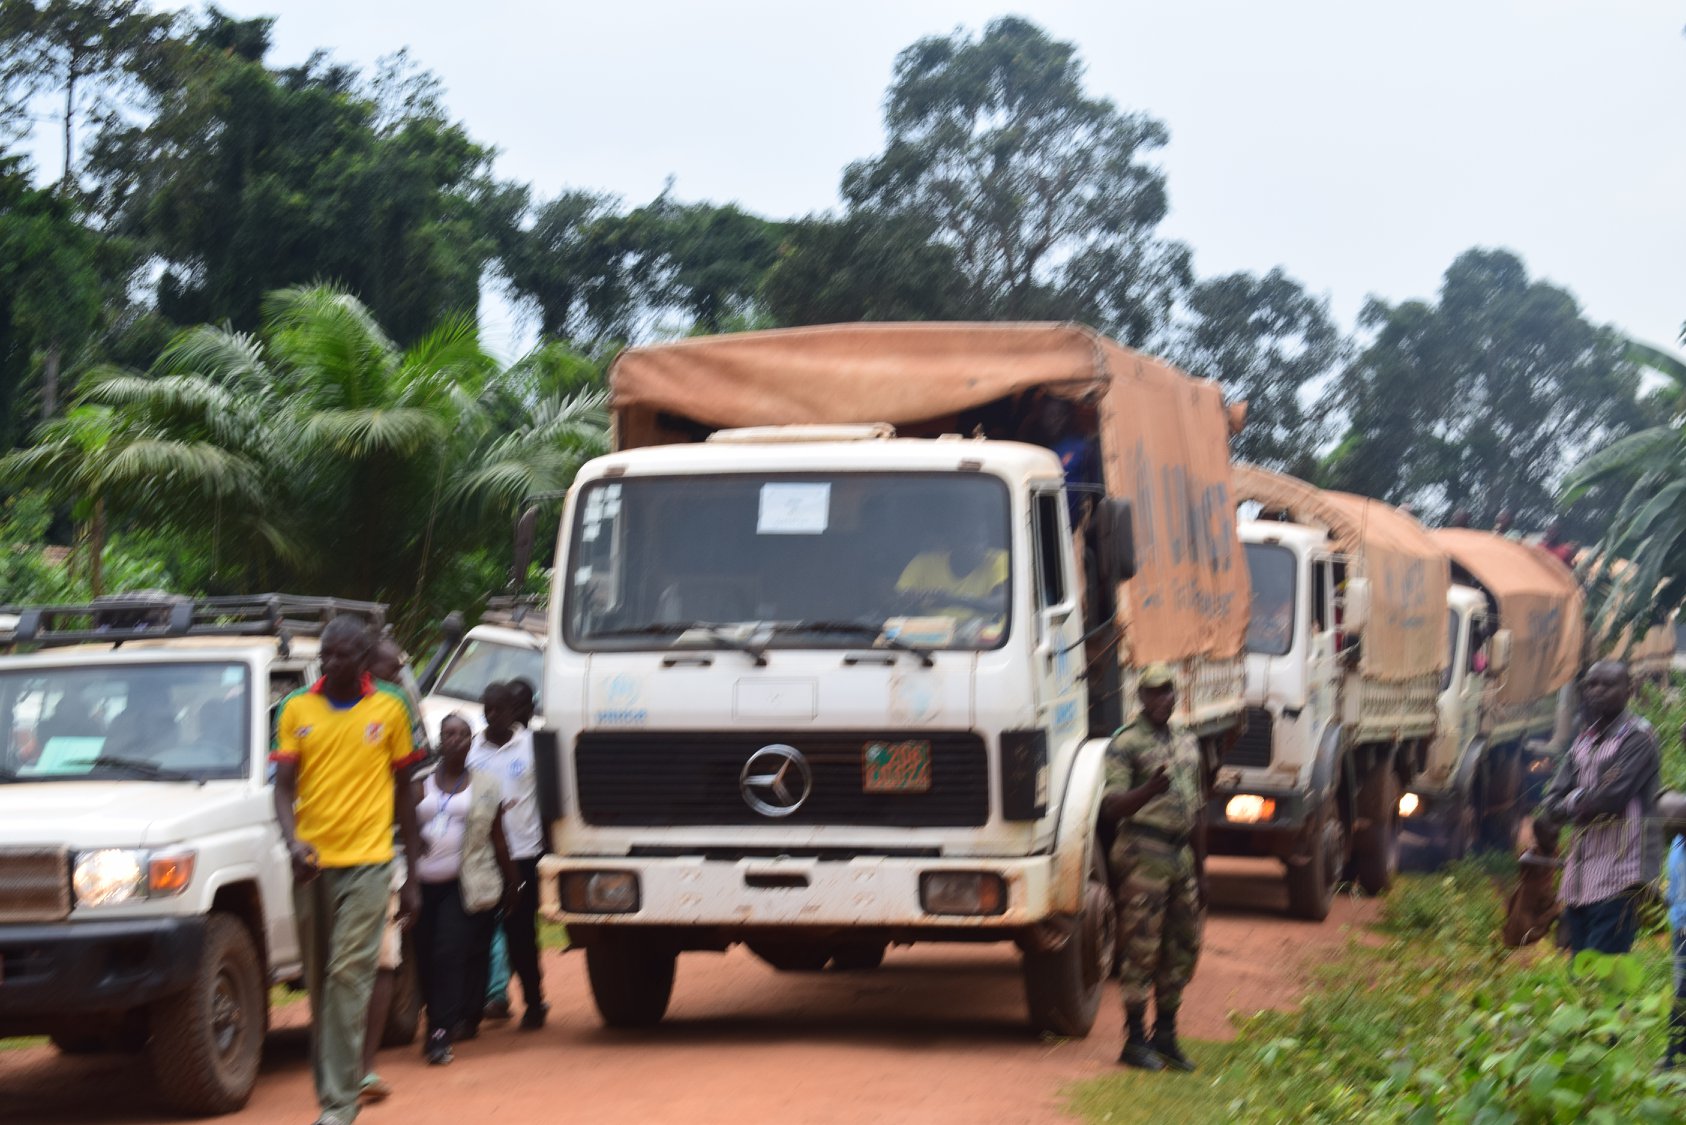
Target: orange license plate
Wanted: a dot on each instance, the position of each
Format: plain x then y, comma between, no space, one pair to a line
896,767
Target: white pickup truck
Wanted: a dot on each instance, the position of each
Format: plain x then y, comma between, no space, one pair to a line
145,898
506,644
818,688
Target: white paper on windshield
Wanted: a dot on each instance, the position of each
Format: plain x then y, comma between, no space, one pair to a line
792,508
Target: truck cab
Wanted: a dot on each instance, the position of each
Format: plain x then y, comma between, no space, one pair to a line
820,690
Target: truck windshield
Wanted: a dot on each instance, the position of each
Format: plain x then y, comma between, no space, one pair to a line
158,722
1270,632
748,561
480,662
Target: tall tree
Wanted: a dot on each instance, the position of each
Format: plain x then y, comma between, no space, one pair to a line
1268,342
864,265
247,179
1482,399
1043,192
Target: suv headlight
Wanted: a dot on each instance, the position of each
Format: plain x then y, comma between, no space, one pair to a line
111,876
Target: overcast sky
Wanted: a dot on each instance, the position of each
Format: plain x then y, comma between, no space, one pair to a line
1359,145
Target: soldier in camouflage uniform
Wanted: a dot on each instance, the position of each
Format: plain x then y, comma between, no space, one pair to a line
1155,780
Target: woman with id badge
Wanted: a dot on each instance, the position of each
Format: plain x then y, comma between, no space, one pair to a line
465,871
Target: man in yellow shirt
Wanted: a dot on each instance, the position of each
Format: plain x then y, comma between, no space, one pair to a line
343,751
966,582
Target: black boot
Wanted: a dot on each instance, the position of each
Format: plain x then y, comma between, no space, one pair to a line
1137,1052
1165,1042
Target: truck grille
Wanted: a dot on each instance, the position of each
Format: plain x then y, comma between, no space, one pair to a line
1252,749
34,884
662,779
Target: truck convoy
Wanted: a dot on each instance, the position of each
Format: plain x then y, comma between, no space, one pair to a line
147,898
827,670
1345,656
1515,622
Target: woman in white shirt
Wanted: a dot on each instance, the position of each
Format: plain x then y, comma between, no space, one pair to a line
465,871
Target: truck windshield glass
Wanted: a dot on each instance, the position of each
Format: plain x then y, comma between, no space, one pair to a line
1270,632
481,662
159,722
843,560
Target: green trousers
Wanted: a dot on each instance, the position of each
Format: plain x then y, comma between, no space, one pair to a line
341,914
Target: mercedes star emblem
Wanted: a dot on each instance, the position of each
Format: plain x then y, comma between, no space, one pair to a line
776,780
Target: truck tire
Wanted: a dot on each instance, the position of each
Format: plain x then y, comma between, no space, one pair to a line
631,981
1457,836
1311,885
852,956
206,1041
792,957
403,1015
1502,819
1063,989
1375,847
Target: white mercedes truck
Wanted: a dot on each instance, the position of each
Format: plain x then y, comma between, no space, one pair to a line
817,688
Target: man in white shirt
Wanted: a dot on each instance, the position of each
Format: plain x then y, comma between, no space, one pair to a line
505,749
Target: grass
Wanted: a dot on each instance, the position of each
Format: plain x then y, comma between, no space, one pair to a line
1131,1095
20,1042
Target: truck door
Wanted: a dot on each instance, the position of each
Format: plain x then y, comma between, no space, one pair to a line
1061,708
1327,639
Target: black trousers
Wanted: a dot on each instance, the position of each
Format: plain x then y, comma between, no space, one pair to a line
452,950
520,929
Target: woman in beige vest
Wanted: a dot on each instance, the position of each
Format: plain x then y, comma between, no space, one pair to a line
465,873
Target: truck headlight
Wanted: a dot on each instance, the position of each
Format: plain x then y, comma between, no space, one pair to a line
600,892
962,892
109,876
1249,808
1409,803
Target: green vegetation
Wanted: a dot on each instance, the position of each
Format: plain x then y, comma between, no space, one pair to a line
1439,1022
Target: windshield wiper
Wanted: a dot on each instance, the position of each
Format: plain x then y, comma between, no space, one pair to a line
7,774
138,765
721,635
860,629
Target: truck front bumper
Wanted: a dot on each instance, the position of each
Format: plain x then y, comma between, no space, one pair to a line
59,969
887,892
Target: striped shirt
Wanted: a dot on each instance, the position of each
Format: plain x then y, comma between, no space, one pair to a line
1607,786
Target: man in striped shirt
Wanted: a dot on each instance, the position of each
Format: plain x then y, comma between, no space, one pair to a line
1606,790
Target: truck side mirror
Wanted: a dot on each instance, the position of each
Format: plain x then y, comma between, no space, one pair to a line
526,529
1356,606
1115,530
1498,657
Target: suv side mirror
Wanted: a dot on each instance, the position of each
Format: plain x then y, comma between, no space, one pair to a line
1355,603
1498,657
1115,530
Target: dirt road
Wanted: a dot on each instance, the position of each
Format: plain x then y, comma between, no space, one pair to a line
937,1035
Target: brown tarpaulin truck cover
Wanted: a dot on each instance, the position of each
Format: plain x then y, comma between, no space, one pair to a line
1163,436
1539,601
1408,572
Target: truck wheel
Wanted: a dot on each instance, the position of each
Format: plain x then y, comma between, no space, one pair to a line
1375,847
206,1041
1502,819
1458,834
403,1016
1311,885
793,957
856,955
1064,988
631,981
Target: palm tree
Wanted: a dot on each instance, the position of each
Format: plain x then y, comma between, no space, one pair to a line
1639,572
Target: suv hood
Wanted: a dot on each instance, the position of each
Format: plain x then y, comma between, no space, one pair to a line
122,814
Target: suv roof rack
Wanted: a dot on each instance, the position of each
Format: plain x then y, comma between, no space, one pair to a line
516,611
154,615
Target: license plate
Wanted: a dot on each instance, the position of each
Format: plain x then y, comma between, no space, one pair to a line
896,767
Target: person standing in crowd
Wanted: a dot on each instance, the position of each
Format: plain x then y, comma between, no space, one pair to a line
1677,936
342,754
497,986
386,665
504,749
1606,789
1155,777
465,872
1554,543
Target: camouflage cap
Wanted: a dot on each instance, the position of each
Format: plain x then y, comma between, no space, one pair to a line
1157,675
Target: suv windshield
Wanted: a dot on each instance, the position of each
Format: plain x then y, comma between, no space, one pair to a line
481,662
162,721
816,560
